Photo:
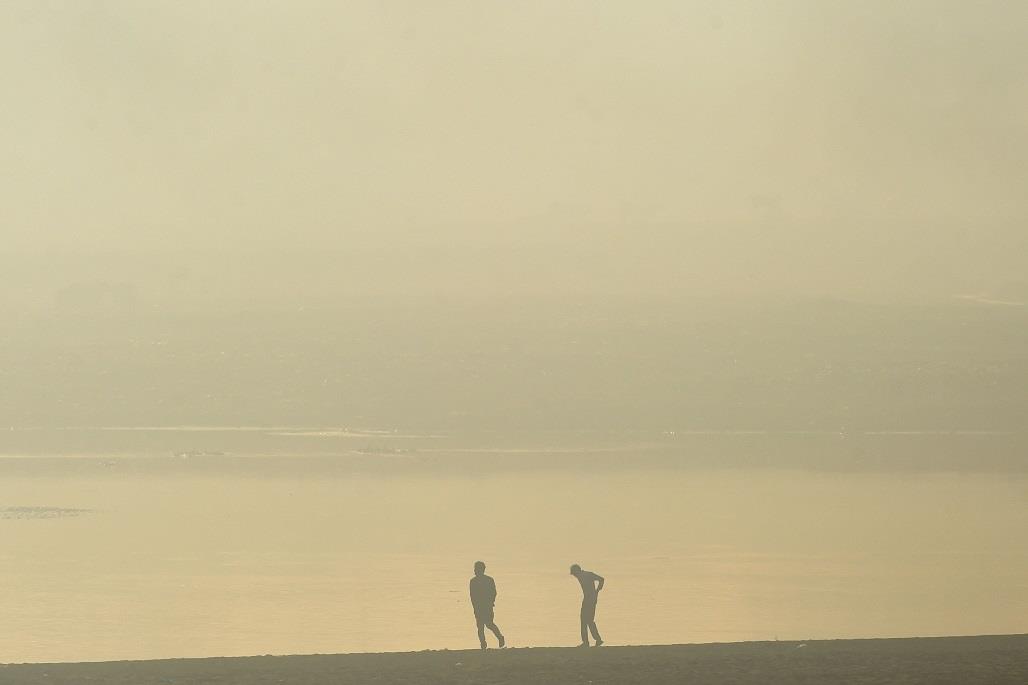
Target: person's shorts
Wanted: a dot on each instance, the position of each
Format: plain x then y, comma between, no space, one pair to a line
588,611
484,615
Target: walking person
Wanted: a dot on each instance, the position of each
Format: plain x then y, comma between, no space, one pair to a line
591,583
483,599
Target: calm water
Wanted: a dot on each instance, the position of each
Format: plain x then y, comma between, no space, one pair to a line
122,558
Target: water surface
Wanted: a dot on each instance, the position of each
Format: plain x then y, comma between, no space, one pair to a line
155,555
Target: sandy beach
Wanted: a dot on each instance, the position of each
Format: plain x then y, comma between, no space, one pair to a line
991,660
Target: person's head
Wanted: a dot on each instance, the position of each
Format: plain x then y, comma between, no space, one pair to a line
575,569
479,568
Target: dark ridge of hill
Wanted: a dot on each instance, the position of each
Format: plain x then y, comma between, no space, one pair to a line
527,365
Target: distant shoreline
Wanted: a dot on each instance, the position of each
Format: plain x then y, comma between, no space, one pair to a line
991,659
279,449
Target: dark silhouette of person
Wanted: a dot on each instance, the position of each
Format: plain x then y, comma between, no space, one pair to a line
483,598
591,583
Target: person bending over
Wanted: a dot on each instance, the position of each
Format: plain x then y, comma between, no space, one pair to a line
591,584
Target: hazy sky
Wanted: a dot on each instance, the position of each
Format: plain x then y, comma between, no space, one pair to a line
811,143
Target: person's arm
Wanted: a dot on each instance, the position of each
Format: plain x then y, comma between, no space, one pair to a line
599,580
492,591
471,590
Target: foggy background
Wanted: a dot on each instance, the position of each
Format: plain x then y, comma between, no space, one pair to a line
203,151
578,214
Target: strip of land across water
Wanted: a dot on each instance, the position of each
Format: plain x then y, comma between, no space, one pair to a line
991,660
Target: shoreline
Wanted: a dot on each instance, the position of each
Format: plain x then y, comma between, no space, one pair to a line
993,659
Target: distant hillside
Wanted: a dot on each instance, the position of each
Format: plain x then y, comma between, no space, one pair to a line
525,364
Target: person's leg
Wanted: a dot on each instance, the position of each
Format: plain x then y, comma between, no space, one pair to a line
586,619
592,623
481,631
496,631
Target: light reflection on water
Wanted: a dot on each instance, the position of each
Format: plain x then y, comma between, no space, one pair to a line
222,563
